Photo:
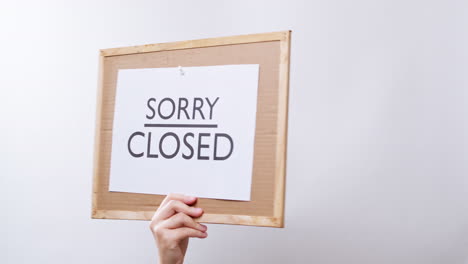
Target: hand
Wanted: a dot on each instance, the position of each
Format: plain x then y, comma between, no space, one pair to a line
172,226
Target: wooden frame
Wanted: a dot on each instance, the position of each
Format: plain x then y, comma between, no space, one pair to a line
107,205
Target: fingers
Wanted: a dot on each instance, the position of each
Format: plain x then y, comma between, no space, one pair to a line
186,232
178,197
183,220
172,207
172,223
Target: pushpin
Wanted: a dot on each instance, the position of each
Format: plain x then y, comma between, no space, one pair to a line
181,71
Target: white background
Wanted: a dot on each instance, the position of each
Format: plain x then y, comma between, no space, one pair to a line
377,157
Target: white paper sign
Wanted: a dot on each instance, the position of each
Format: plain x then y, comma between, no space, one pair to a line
188,130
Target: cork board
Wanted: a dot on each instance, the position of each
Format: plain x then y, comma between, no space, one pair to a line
272,52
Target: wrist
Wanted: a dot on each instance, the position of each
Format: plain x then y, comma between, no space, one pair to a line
170,260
